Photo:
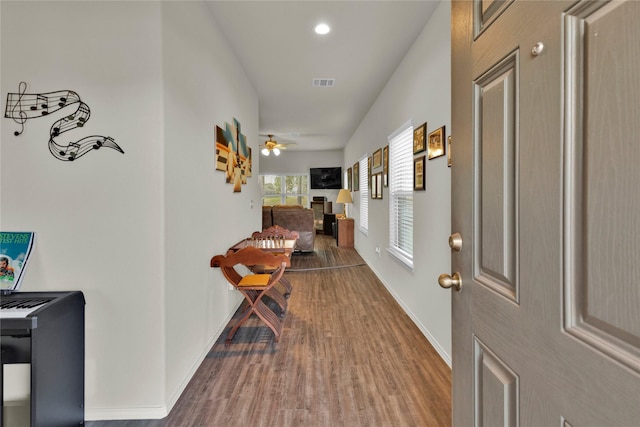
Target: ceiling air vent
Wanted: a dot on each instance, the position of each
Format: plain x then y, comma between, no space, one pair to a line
324,82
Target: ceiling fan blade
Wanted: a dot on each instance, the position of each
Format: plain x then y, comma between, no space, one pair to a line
285,144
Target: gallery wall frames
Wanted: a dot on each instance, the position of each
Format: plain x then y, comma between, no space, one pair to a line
385,166
419,135
418,173
356,176
377,158
376,185
437,145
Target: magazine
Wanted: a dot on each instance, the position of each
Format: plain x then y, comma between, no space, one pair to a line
15,249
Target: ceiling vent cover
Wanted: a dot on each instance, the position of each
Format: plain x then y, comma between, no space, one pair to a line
324,82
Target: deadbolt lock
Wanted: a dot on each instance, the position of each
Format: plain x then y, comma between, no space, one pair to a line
455,241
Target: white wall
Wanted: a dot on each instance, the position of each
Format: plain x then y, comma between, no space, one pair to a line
134,232
204,87
418,91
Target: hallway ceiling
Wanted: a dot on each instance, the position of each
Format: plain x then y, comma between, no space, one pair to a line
278,49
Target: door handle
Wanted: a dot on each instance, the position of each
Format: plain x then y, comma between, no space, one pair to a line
454,281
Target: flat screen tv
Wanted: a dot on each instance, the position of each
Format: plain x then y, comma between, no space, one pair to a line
326,178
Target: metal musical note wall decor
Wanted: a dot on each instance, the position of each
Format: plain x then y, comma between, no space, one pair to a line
23,106
233,156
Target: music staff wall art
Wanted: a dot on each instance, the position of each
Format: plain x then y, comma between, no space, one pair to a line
22,106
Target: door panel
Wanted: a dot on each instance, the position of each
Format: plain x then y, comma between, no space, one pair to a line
602,175
495,205
496,391
545,182
486,11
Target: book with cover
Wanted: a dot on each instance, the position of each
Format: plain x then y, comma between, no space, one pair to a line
15,249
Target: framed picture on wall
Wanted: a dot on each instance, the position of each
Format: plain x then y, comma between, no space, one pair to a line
385,166
356,176
418,173
249,164
419,135
436,143
377,158
377,186
222,150
349,178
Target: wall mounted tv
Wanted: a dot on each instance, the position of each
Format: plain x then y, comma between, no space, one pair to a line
326,178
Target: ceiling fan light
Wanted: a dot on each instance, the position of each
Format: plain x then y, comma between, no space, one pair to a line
276,151
265,152
322,29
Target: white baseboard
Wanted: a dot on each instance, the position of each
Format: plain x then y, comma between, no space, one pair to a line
140,413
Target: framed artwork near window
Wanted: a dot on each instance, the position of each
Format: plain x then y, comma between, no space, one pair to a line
418,173
356,176
376,190
419,135
349,178
437,146
385,166
377,158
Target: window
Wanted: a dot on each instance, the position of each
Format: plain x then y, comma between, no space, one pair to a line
401,194
364,195
285,189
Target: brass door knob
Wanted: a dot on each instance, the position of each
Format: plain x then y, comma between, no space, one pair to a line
454,281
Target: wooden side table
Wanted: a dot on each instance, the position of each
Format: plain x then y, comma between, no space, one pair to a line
345,232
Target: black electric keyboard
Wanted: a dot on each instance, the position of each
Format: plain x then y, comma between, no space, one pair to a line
18,307
46,330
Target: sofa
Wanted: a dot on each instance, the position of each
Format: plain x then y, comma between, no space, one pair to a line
293,218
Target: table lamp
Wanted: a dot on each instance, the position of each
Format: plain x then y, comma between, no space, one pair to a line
344,196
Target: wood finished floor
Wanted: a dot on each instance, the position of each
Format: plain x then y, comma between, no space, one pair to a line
348,356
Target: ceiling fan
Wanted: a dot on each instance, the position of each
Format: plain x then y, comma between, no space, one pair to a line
272,145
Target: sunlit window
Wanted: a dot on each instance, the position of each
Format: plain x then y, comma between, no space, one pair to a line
290,189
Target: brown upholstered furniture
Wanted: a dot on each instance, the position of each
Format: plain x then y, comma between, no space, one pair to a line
294,218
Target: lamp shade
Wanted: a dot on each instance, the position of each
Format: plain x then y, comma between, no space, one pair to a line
344,196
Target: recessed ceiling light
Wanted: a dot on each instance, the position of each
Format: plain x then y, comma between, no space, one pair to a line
322,29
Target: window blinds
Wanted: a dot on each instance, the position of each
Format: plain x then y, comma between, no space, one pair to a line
364,194
401,194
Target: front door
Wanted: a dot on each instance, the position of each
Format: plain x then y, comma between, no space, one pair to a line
546,198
